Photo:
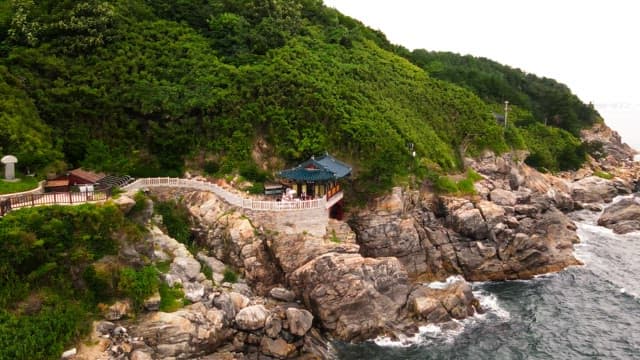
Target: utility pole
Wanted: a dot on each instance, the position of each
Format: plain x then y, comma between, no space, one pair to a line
506,112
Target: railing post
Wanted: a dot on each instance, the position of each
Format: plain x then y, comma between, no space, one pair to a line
70,198
32,201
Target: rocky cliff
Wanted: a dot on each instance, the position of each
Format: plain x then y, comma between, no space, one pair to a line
373,276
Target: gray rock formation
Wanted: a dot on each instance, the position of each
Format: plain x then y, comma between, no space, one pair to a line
623,216
299,321
252,317
514,229
442,303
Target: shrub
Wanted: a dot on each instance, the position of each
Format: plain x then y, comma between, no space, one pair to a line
229,275
138,285
211,167
256,188
140,198
170,298
175,218
251,172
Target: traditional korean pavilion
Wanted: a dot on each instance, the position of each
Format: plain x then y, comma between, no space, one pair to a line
316,178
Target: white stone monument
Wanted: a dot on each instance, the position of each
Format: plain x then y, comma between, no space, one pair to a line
9,162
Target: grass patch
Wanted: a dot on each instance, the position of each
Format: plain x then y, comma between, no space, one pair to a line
334,238
163,266
603,175
206,270
446,185
171,298
229,275
24,184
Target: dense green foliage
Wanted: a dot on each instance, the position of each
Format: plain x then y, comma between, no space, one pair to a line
175,218
45,301
170,297
140,86
493,82
138,285
534,101
133,86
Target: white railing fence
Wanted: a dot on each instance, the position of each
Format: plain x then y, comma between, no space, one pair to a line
227,196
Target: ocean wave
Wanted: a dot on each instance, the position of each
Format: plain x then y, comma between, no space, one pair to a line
445,284
448,332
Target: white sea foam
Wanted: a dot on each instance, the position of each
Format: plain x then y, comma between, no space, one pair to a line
490,304
449,331
443,285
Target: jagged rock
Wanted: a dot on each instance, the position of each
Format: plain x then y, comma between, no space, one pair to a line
277,348
124,203
353,297
187,268
239,301
623,216
468,221
224,303
118,310
152,303
273,325
299,321
252,317
593,189
438,303
242,288
193,291
187,333
282,294
214,264
503,197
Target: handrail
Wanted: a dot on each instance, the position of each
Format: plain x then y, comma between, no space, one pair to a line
53,198
233,199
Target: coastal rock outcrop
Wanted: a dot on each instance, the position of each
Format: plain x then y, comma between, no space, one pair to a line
513,229
440,302
623,216
593,189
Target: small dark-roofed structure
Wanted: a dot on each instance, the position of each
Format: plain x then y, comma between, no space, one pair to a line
80,176
58,185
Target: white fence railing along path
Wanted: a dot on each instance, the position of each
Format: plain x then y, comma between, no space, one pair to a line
227,196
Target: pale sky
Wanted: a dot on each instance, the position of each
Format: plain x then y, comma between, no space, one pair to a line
591,46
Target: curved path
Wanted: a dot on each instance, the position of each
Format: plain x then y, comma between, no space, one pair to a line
232,198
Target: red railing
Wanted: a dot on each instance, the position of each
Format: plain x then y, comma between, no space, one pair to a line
333,191
55,198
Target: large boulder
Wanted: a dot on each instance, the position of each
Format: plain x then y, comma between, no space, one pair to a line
439,302
190,332
623,216
187,268
353,297
503,197
282,294
277,348
594,189
252,317
299,321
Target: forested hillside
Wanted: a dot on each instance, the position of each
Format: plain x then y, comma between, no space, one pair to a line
549,116
143,87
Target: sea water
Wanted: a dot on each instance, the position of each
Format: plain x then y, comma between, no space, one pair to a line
584,312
